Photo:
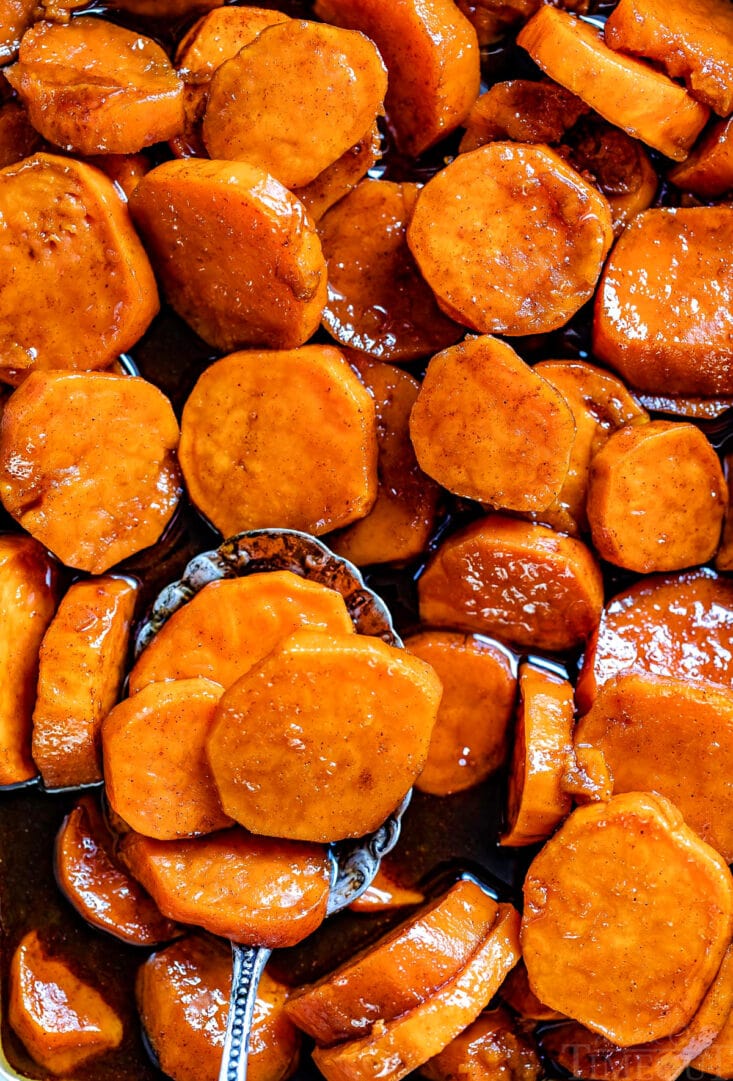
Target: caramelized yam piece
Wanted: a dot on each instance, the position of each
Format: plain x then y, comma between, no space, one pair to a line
491,1047
724,558
103,893
280,439
662,314
67,241
509,197
295,99
82,665
708,171
28,594
636,913
617,164
431,53
235,252
183,997
557,591
401,971
470,738
632,95
15,18
587,777
403,517
543,740
124,170
250,889
488,428
233,624
691,407
378,302
385,895
517,993
18,139
156,772
523,111
339,179
93,87
656,497
103,482
717,1058
323,738
62,1021
395,1049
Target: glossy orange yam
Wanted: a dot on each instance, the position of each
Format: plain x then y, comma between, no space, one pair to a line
62,1021
252,890
557,597
717,1058
634,910
87,464
253,421
267,746
399,972
15,18
524,111
233,624
658,322
339,179
385,895
708,171
688,406
470,738
491,1047
66,240
431,53
18,139
124,170
517,994
82,664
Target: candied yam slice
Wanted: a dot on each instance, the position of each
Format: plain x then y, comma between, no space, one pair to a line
510,197
708,171
93,881
517,994
62,1021
717,1058
635,911
384,894
470,738
236,253
626,92
103,483
124,170
92,87
253,890
400,1046
28,596
431,53
694,408
400,971
15,18
522,110
339,179
183,996
656,497
492,1046
295,99
66,240
372,706
488,428
280,439
557,590
82,664
233,624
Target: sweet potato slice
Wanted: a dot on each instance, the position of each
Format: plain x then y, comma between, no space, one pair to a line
93,881
492,1046
62,1021
517,994
557,591
267,747
524,111
431,53
689,406
28,596
397,1048
103,483
339,179
250,889
510,197
724,558
543,740
233,624
399,972
124,170
82,665
680,348
93,87
183,997
235,252
404,514
717,1058
252,423
63,222
18,139
295,99
708,171
488,428
156,773
626,92
386,895
470,738
656,497
15,18
378,302
634,910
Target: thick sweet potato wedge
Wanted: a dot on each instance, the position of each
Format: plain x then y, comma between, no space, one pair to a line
524,111
267,745
252,890
339,179
386,895
492,1046
634,910
517,993
708,171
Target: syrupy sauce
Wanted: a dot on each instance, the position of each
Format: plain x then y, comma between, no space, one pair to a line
441,837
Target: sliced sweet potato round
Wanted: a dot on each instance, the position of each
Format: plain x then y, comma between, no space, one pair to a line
717,1058
708,171
492,1046
385,894
339,179
517,994
524,111
15,18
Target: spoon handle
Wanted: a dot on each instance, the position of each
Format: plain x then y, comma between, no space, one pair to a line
248,964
